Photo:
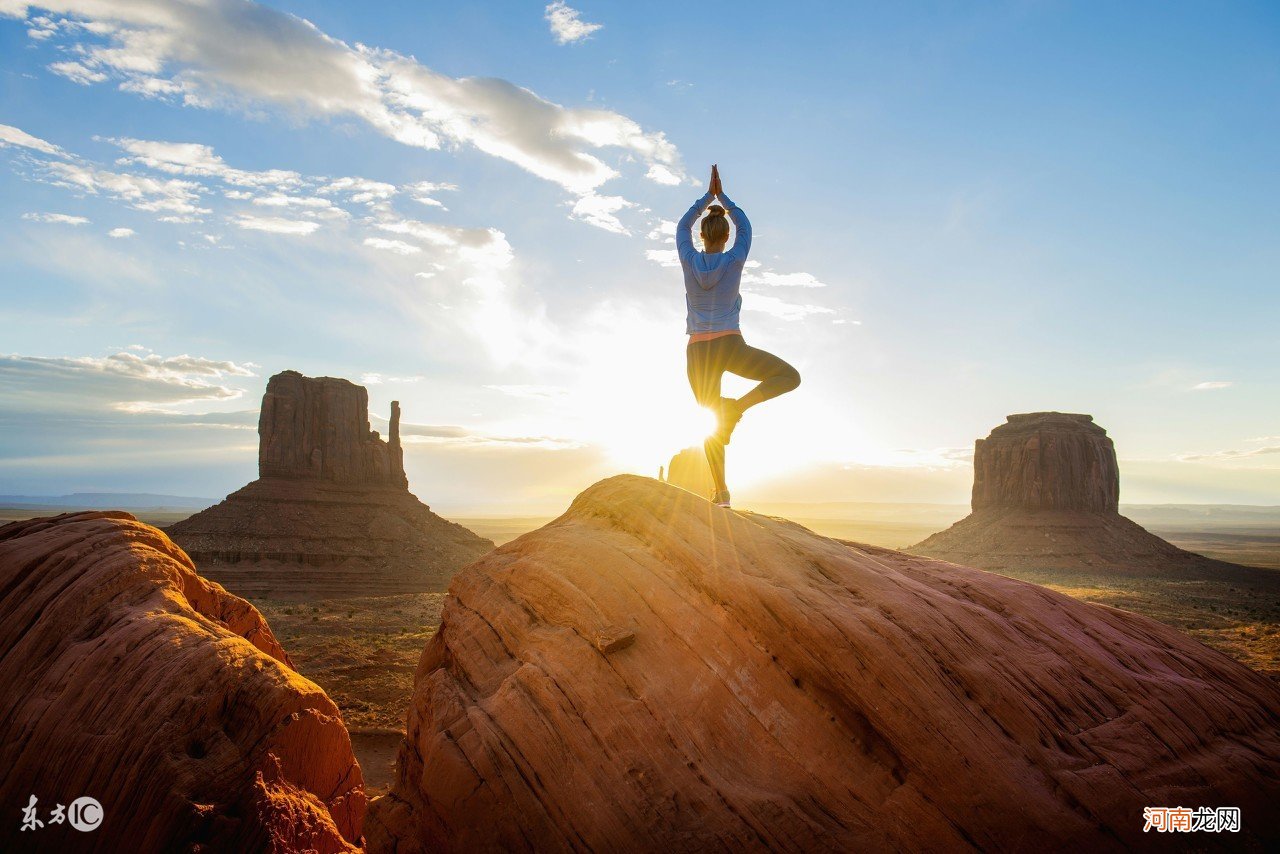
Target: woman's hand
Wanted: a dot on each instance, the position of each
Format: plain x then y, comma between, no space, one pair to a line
716,188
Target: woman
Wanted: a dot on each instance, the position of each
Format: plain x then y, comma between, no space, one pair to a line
711,281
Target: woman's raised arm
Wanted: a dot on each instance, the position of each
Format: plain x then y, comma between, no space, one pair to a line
742,241
684,228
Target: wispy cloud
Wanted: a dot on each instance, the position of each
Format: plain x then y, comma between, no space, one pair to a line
229,54
121,232
664,257
601,211
175,200
127,381
64,219
77,72
276,224
781,280
397,246
10,135
1233,454
566,23
1211,385
779,308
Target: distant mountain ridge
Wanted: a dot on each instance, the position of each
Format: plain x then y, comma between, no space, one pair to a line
108,501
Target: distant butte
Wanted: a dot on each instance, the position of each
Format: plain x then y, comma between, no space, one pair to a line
1046,495
330,514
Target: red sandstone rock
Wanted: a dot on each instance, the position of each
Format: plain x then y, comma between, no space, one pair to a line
790,692
331,514
128,678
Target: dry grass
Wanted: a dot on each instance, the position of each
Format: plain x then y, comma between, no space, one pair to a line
1231,617
363,653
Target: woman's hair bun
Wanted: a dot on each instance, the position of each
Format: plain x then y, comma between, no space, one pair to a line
715,210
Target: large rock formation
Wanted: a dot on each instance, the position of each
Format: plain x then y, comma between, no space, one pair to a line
330,514
128,678
1047,461
653,673
1046,493
318,429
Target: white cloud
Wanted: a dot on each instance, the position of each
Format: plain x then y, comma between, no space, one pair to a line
361,190
231,54
1237,453
311,206
77,73
664,230
175,199
276,225
10,135
566,23
601,211
781,309
791,280
484,247
121,232
195,159
1208,386
397,246
64,219
665,257
124,382
422,192
662,175
375,378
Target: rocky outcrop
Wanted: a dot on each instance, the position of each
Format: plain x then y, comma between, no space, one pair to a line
330,514
784,691
1046,492
1047,461
128,678
689,470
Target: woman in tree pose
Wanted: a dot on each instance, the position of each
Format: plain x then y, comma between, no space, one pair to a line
716,346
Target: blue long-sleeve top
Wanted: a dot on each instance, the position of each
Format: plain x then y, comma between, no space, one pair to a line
712,279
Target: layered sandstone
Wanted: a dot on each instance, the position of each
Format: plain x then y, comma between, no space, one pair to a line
318,429
1047,461
652,673
330,514
1046,495
128,678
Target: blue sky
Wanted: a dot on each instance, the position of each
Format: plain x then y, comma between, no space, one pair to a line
961,211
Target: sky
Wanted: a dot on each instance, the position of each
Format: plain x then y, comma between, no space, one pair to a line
961,211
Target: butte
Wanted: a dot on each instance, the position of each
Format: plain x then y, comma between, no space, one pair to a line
331,514
1046,495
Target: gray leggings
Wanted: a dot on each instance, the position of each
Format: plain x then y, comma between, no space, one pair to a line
709,361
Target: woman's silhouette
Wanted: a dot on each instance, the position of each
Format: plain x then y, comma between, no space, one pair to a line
716,346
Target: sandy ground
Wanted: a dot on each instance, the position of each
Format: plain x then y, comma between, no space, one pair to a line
363,652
